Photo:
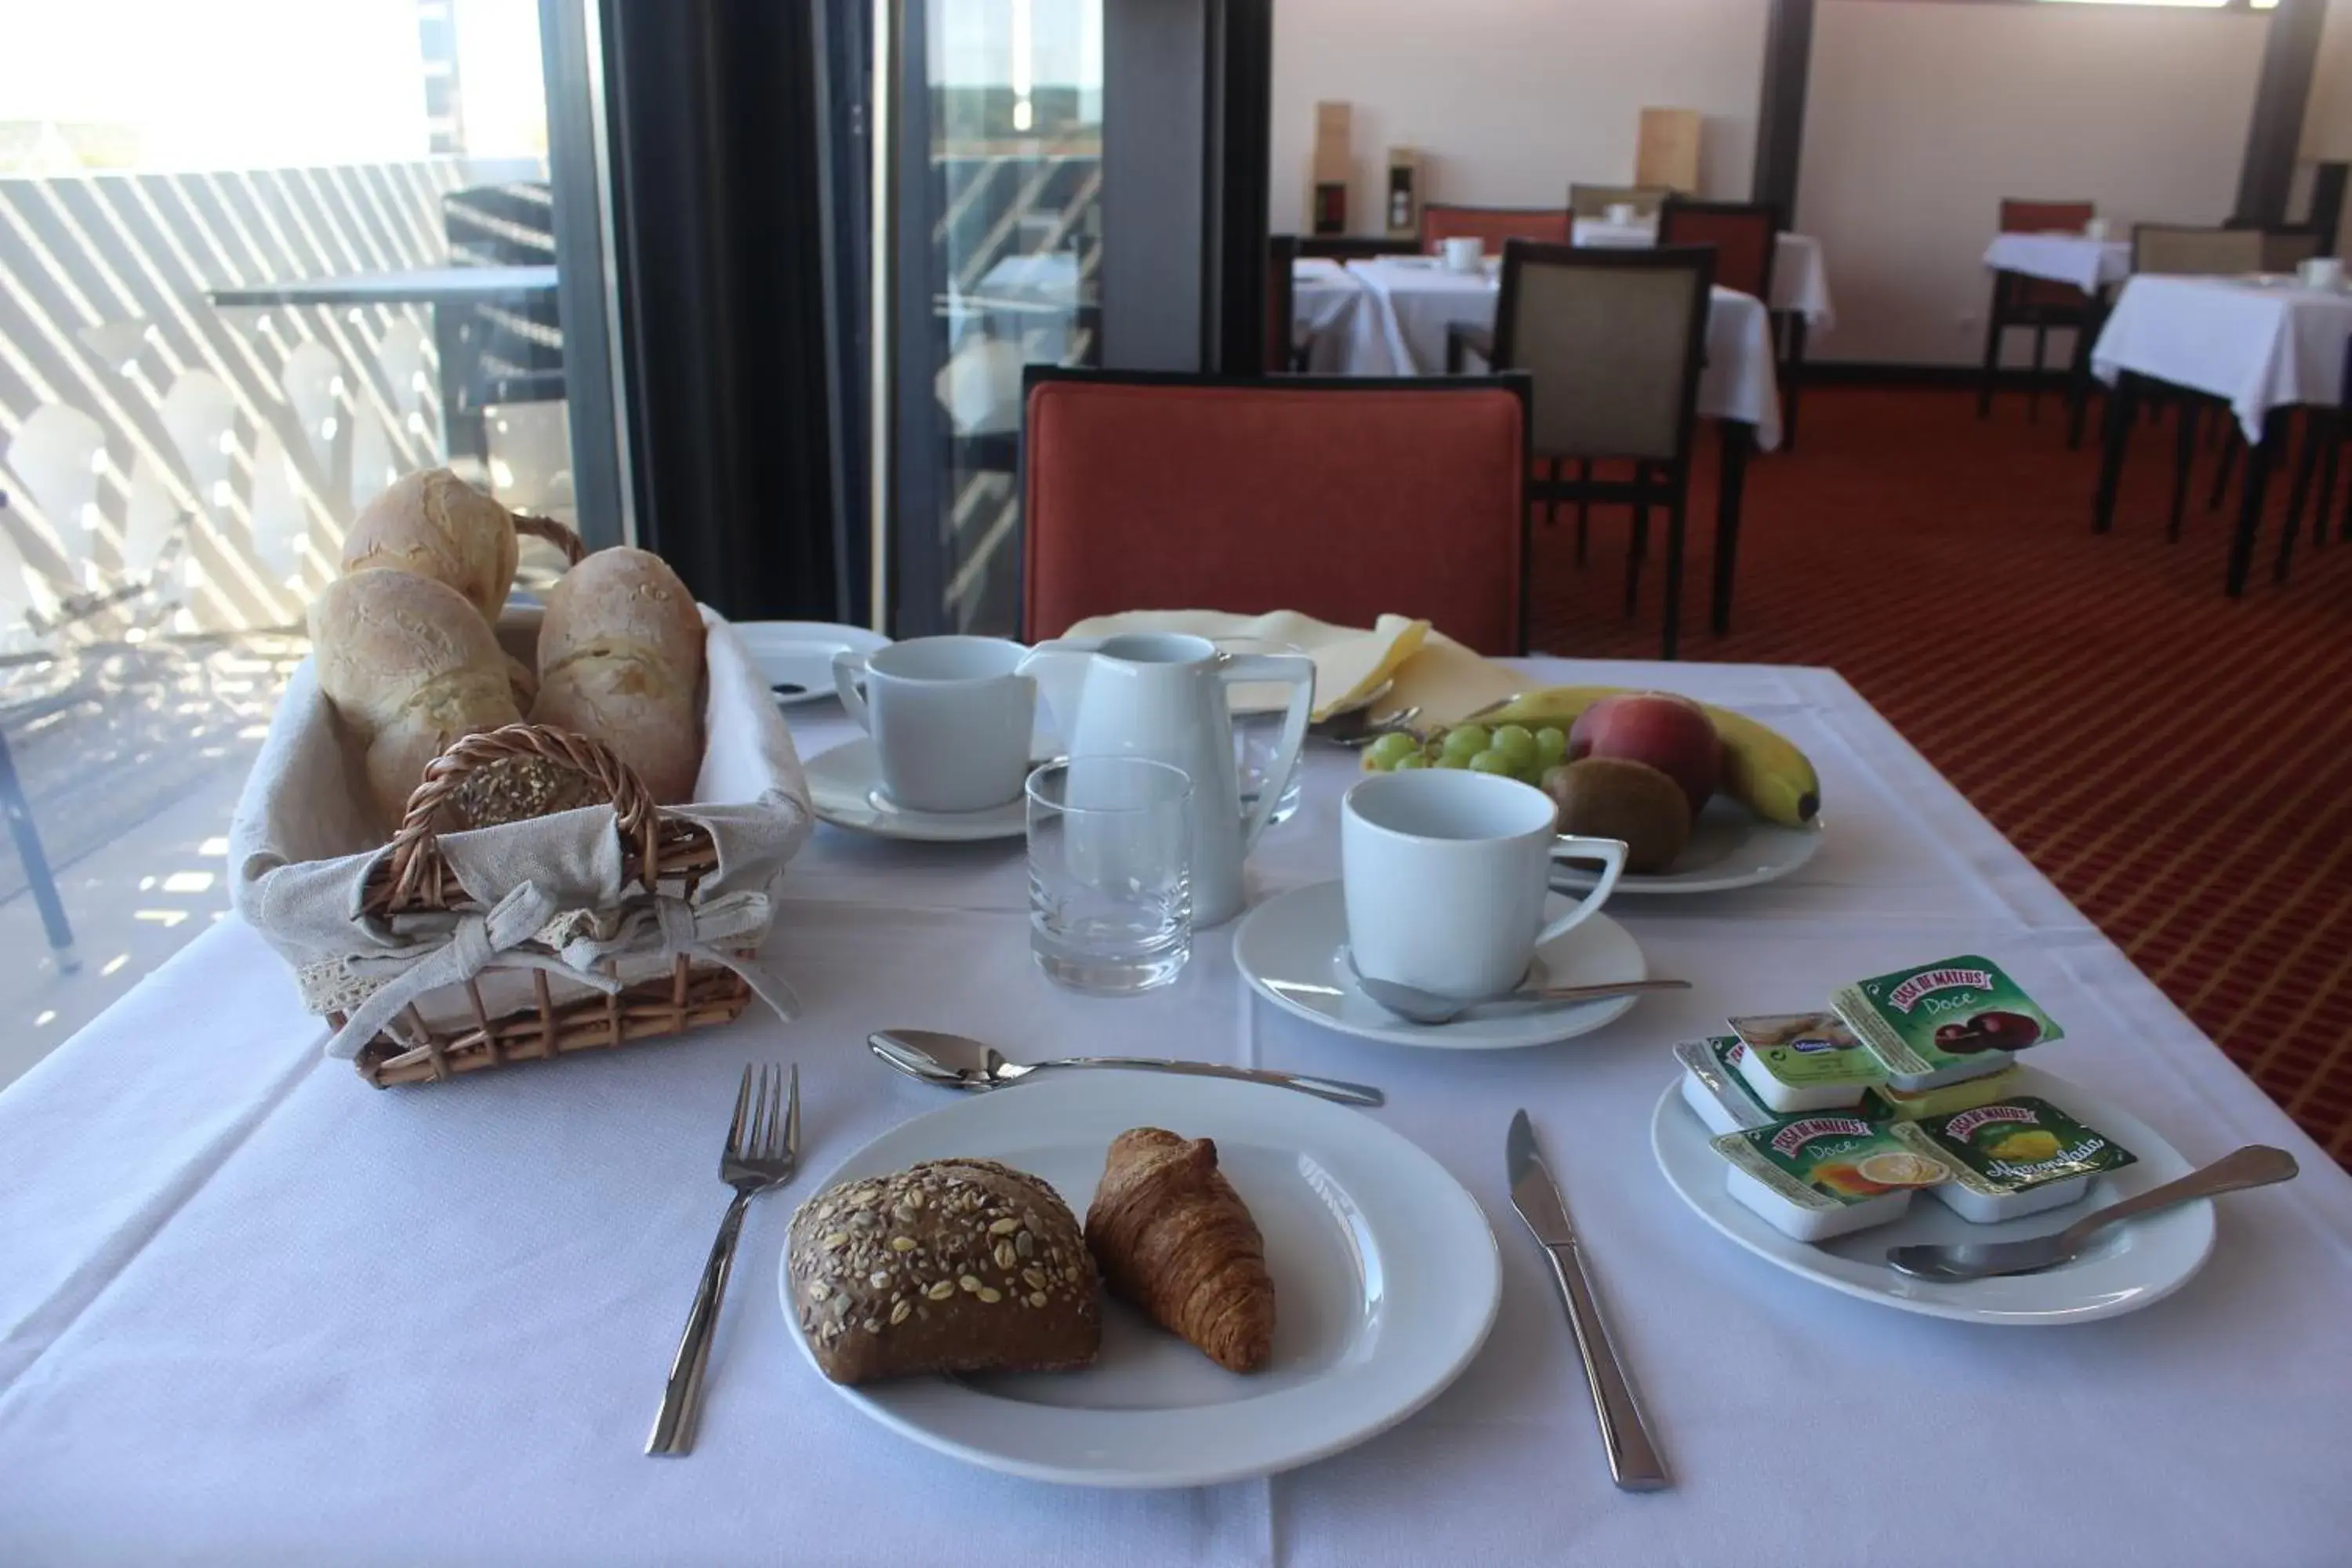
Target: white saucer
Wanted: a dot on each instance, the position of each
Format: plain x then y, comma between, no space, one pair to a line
2133,1266
796,656
845,787
1293,952
1386,1274
1730,847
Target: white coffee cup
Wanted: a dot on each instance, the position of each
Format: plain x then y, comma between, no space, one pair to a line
2094,228
2322,272
950,719
1445,873
1622,213
1463,253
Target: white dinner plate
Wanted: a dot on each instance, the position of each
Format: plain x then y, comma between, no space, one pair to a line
845,788
1385,1275
796,656
2131,1267
1293,949
1730,847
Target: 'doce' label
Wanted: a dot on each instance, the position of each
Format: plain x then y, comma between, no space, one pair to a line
1943,1015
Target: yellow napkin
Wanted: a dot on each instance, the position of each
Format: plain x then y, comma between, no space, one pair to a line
1428,668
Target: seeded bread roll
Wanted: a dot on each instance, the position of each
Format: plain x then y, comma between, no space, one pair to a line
437,525
948,1265
620,659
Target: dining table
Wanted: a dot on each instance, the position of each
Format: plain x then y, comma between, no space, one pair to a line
2093,264
2265,346
255,1312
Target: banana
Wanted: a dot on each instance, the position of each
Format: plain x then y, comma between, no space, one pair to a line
1762,768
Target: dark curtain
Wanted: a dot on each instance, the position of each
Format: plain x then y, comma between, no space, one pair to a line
718,179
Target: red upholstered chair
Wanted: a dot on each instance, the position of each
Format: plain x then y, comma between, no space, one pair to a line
2039,304
1344,497
1745,234
1493,225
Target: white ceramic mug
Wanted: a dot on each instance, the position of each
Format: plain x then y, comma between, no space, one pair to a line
1463,253
1623,214
2094,228
950,718
2322,272
1445,873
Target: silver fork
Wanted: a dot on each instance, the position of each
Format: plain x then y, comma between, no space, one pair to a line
760,1154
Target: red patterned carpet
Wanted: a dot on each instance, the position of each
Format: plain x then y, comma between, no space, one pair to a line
2180,764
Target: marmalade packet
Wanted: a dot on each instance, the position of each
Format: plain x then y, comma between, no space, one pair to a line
1942,1021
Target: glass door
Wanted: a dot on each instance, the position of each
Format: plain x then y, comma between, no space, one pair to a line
1058,182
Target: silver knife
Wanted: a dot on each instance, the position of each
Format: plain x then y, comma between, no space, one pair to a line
1633,1460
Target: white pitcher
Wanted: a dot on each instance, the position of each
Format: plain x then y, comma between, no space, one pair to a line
1162,696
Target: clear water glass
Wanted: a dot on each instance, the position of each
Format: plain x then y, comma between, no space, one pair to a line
1110,873
1257,713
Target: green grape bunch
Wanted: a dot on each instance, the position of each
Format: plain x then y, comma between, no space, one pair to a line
1513,750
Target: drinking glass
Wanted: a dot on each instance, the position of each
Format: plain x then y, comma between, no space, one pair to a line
1110,873
1258,713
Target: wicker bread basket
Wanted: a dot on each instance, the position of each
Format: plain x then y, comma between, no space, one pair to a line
531,997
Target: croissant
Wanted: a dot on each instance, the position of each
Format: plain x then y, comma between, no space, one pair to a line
1172,1236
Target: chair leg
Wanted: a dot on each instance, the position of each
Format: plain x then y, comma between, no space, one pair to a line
1583,510
2122,401
1991,346
1551,502
37,875
2298,495
2328,430
1636,550
2033,387
2184,459
2327,477
2259,456
1671,632
1731,485
2232,443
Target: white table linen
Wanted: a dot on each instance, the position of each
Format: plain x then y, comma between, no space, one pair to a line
1323,302
2088,264
2260,347
1799,282
1399,330
255,1313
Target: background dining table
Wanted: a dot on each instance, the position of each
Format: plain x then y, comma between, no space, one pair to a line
2265,346
254,1311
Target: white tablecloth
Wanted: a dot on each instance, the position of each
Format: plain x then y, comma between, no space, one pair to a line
1799,282
1323,302
1399,330
254,1312
2259,347
2088,264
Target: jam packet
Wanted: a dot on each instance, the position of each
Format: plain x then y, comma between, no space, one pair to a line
1814,1177
1713,1088
2016,1156
1941,1023
1804,1061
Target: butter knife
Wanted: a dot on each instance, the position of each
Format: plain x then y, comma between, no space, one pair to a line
1634,1463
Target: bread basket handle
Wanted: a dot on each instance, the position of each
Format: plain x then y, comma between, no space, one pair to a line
554,533
414,864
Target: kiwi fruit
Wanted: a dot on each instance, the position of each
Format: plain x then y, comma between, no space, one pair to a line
1613,798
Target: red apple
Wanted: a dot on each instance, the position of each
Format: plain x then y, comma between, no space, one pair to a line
1672,734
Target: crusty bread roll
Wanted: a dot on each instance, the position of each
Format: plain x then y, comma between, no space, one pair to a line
620,659
948,1265
434,524
410,667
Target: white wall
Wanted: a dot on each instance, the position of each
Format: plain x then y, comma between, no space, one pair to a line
1922,117
1508,100
2328,122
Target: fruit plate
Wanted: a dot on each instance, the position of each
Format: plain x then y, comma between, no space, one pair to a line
2131,1267
1730,847
1386,1280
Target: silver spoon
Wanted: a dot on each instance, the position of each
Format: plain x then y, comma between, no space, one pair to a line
1356,727
958,1061
1418,1007
2255,1166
